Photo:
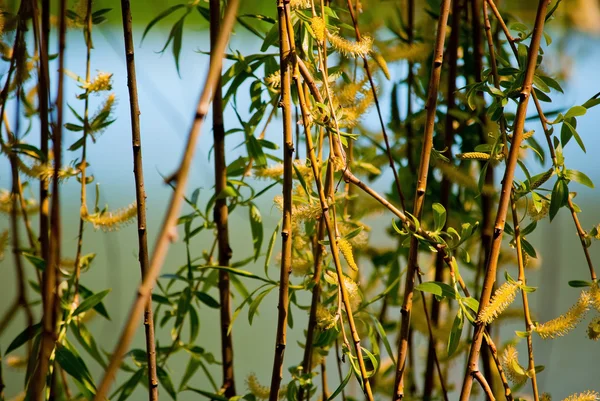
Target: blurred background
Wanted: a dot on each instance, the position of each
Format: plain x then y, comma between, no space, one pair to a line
167,102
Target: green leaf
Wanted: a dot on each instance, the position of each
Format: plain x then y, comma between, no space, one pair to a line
24,336
37,262
559,198
575,111
471,303
160,16
580,178
437,288
342,385
439,216
131,384
270,248
256,227
253,309
456,332
165,381
381,333
580,283
71,362
207,299
85,338
528,248
207,394
90,302
100,308
191,368
573,132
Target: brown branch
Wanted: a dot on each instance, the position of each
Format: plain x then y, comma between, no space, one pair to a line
50,278
410,27
286,230
221,215
140,193
168,230
419,199
446,184
484,384
505,197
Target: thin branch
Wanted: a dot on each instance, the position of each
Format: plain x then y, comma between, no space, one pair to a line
140,192
286,231
168,230
484,384
419,199
505,197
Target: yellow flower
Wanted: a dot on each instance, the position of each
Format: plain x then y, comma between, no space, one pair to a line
346,250
501,300
595,296
510,363
589,395
325,319
351,287
567,322
593,330
319,28
299,4
102,82
349,48
109,221
534,214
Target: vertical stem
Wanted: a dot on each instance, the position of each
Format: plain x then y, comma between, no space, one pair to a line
419,200
221,214
286,230
169,225
140,193
446,185
50,275
410,28
505,197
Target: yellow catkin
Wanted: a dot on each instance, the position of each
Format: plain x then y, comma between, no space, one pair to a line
563,324
6,203
589,395
3,243
109,221
526,135
276,171
595,296
102,82
324,318
346,250
476,156
593,330
501,300
414,52
302,265
45,171
534,214
510,363
260,391
540,181
274,80
319,29
349,48
453,174
351,287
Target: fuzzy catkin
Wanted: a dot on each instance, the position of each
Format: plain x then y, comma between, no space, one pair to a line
110,221
3,243
346,250
593,330
260,391
510,363
589,395
563,324
501,300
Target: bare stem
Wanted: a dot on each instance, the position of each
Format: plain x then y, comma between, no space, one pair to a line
140,192
168,230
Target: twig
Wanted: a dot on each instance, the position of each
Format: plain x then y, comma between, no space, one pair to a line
286,230
140,192
505,197
419,199
221,215
484,385
167,232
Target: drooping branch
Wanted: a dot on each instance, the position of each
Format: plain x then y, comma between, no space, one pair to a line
167,231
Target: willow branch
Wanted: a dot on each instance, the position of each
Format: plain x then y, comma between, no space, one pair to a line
140,193
286,230
484,384
419,199
168,229
505,197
